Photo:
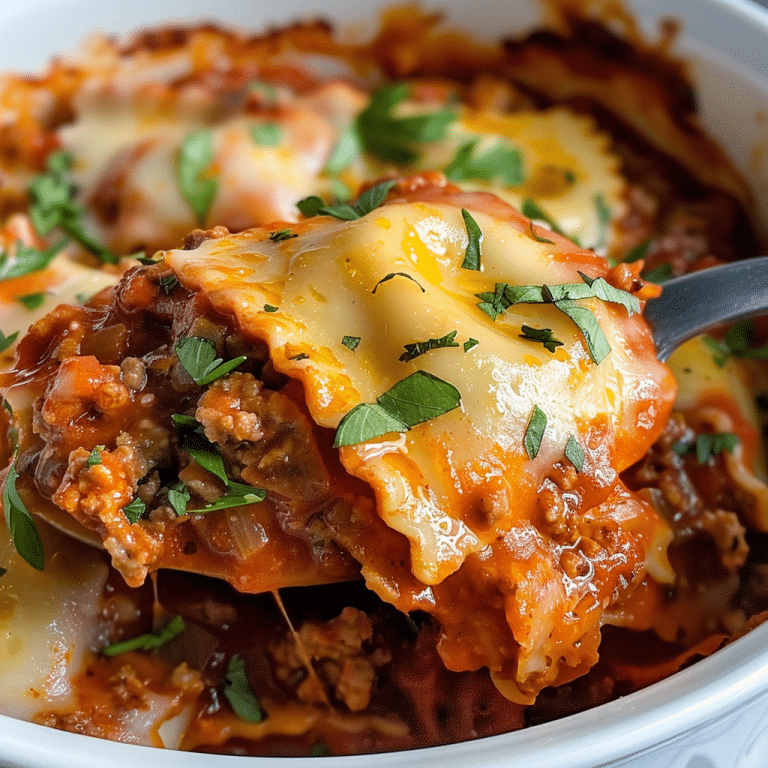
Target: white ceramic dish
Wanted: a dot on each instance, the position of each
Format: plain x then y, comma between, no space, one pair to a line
712,715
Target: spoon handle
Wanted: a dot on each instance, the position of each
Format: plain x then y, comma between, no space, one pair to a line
696,302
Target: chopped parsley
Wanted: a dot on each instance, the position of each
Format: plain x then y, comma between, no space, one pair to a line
198,358
6,341
319,750
346,150
659,274
192,167
470,344
178,497
31,300
281,235
27,260
544,335
369,200
270,308
710,444
149,641
239,693
135,510
53,206
502,162
533,210
168,283
640,251
392,275
574,453
738,342
413,400
396,139
94,457
475,237
564,297
534,432
603,221
21,524
418,348
351,342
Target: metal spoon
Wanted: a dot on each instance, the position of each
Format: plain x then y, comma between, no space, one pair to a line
699,301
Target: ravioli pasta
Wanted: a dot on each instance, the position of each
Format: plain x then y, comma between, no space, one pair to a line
337,418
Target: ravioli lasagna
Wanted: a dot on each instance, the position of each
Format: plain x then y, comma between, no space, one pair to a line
338,419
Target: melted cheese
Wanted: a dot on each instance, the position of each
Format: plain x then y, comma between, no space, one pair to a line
461,488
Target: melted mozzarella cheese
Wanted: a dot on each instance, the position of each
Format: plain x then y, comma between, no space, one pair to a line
431,481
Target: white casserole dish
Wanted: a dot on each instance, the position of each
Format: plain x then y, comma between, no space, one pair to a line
712,715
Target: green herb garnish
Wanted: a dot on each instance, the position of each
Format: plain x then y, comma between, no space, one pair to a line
574,453
392,275
502,162
396,139
416,399
270,308
149,641
640,251
31,300
94,457
53,205
603,221
135,510
709,445
534,432
168,283
194,160
6,341
659,274
544,335
475,237
281,235
418,348
239,693
368,201
21,524
27,260
533,210
351,342
470,343
198,358
310,206
178,498
346,150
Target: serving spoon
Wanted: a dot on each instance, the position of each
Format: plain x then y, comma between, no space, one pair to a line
699,301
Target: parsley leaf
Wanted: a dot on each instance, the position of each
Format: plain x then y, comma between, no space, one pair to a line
544,335
416,399
502,162
6,341
27,260
319,750
195,157
412,351
534,432
574,453
709,445
391,275
239,693
364,422
178,498
270,308
533,210
738,341
94,457
603,221
470,343
31,300
237,495
346,150
198,358
149,641
475,235
659,274
135,510
397,139
168,283
310,206
266,134
638,252
53,206
564,297
351,342
280,235
20,522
